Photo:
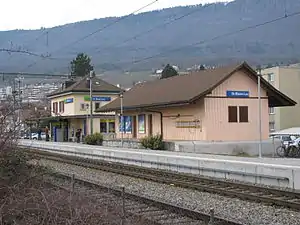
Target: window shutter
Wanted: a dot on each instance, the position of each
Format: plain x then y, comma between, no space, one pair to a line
243,114
232,114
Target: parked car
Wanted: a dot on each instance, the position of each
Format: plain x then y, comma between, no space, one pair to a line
35,136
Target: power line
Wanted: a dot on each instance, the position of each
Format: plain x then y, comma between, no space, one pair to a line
99,30
218,37
39,36
34,74
110,24
32,40
158,26
21,52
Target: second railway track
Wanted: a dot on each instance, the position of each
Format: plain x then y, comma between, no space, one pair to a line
149,211
283,198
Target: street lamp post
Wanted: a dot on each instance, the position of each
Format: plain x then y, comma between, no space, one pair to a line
259,114
87,118
122,119
91,103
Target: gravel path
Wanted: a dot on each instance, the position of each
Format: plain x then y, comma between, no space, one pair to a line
248,213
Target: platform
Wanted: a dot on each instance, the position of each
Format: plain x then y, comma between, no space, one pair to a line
278,172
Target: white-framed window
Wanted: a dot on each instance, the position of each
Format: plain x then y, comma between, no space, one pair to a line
272,126
82,106
271,77
271,110
97,105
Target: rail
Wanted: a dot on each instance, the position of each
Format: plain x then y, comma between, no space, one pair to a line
285,198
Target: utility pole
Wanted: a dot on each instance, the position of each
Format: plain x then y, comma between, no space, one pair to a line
122,120
14,106
19,100
91,103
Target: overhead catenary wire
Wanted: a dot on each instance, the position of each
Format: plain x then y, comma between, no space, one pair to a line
21,52
157,27
109,25
215,38
99,30
44,32
33,74
31,41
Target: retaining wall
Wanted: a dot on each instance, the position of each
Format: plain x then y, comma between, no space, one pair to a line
259,171
201,147
244,148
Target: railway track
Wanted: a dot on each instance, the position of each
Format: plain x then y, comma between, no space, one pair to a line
272,196
149,211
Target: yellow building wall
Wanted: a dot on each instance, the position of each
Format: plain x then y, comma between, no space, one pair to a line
74,108
79,124
286,79
69,109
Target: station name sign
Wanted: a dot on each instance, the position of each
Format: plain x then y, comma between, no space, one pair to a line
237,94
98,99
69,100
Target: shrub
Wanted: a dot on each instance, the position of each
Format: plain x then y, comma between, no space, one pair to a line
94,139
12,163
153,142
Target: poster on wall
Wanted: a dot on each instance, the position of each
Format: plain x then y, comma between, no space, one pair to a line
128,124
141,119
125,123
121,124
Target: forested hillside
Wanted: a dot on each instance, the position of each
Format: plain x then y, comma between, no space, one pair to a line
115,49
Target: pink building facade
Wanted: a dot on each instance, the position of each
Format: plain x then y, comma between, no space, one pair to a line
227,112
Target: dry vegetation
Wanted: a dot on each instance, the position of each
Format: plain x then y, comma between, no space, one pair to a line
36,202
27,199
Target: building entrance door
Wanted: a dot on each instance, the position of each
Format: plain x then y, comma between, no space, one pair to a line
134,127
150,125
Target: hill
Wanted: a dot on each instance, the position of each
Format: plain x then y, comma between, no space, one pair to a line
274,42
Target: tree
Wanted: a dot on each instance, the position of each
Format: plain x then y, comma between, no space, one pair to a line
168,71
202,67
81,65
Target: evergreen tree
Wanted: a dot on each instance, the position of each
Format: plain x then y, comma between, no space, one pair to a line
168,71
81,65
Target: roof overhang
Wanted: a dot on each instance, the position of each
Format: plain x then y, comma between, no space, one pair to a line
145,107
276,98
65,93
61,118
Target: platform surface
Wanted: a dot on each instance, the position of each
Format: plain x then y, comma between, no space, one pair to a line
279,172
264,160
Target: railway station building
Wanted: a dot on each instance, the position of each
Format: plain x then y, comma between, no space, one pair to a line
212,105
70,108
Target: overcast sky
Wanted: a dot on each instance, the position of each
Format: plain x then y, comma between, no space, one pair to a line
34,14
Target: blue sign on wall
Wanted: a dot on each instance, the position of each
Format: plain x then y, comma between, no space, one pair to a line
102,99
69,100
237,94
125,124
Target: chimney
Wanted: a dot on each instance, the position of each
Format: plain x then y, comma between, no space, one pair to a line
69,83
87,83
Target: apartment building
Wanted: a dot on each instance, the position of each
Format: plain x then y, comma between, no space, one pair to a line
287,80
38,92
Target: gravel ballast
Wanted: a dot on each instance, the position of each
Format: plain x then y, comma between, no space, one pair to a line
245,212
